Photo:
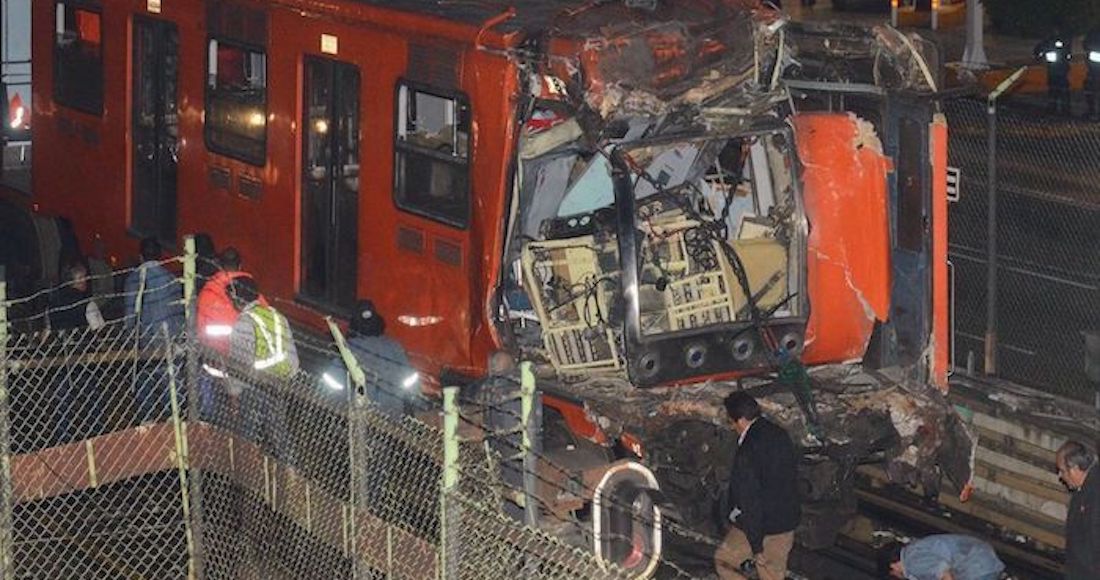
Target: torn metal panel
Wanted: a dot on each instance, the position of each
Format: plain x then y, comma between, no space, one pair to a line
880,56
846,197
620,63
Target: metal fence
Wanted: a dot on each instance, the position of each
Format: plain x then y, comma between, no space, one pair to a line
120,457
1048,242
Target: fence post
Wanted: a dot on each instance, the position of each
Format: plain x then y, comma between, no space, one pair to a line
7,537
991,244
192,486
189,308
356,452
449,516
183,459
189,258
528,397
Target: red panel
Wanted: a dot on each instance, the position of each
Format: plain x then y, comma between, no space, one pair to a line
576,419
848,262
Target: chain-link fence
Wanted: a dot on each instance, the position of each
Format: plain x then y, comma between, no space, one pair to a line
1048,242
133,450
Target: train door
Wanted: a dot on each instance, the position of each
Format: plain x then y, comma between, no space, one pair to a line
155,129
912,223
330,183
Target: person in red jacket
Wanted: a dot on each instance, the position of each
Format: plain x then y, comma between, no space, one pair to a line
215,316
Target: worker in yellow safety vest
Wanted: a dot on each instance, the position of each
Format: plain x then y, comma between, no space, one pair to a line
261,347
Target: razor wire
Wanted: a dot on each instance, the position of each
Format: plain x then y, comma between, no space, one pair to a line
1048,233
128,460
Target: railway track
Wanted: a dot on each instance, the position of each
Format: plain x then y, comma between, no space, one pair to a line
886,511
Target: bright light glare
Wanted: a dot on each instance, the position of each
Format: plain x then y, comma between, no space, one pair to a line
332,382
1052,56
321,126
410,380
256,119
218,330
17,117
409,320
1094,56
217,373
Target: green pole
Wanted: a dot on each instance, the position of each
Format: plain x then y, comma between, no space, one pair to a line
356,425
183,462
189,257
450,438
358,377
448,529
527,413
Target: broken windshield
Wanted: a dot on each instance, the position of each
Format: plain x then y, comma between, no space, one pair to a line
718,232
716,220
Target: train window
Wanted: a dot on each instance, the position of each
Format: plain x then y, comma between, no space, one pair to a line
236,101
432,154
78,57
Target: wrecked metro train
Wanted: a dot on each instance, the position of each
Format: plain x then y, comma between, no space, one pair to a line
655,201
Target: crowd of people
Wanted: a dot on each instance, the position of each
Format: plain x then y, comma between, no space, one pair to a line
1056,53
244,342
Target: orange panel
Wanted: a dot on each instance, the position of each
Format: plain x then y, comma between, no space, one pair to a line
848,261
87,25
940,321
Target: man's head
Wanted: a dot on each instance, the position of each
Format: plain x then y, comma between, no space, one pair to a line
1074,460
742,410
367,321
230,260
76,275
150,250
243,291
204,245
889,561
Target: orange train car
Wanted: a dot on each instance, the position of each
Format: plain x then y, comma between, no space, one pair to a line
637,193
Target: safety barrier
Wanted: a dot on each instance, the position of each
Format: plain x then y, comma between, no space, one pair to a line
122,456
1047,223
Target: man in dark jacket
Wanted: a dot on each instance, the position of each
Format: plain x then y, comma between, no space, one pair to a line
763,495
1077,470
1092,79
393,385
1055,52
